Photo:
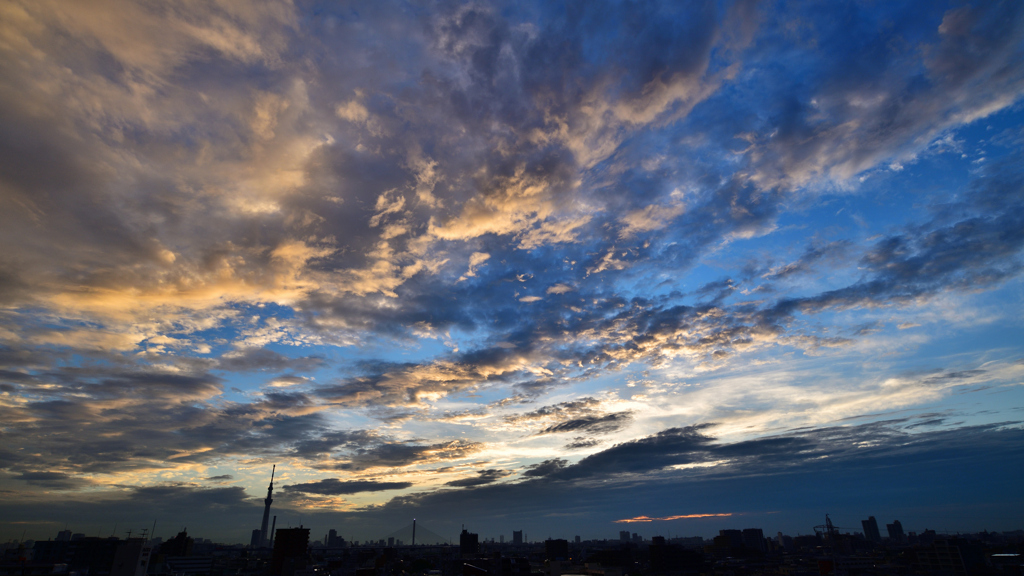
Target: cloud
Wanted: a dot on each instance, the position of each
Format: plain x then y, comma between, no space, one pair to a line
645,519
884,108
812,255
263,359
593,424
224,243
53,480
476,260
400,454
545,468
335,487
483,477
582,442
559,289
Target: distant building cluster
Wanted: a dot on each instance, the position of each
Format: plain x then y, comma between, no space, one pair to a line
416,551
733,552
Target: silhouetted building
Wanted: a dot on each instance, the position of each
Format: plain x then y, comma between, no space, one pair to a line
895,531
753,540
255,540
577,539
333,540
266,509
91,554
673,559
131,558
291,547
871,529
51,551
733,538
469,543
180,545
729,543
64,536
556,549
517,537
623,535
949,556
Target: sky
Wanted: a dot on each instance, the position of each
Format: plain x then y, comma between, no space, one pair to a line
540,266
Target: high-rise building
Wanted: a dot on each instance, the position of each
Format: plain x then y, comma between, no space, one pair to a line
517,537
729,541
256,539
64,536
871,529
895,531
623,535
469,543
556,549
131,558
753,540
577,539
291,547
180,545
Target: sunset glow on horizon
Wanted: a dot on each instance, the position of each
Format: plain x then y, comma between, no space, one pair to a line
666,518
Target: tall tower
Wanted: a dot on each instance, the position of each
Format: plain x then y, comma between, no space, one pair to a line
266,510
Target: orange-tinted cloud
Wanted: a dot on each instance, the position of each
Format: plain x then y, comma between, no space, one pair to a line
680,517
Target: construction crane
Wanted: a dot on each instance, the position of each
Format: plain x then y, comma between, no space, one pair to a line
828,530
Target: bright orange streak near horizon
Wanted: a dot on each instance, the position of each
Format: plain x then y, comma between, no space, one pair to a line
649,519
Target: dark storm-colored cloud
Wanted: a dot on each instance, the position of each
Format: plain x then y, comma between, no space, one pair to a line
483,477
322,444
55,480
221,477
561,410
582,442
913,467
126,416
399,454
545,468
668,447
335,487
592,424
784,469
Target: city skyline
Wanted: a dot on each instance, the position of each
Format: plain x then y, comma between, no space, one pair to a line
683,266
335,538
